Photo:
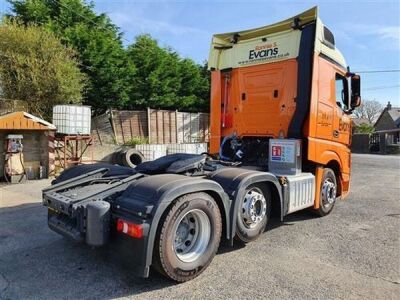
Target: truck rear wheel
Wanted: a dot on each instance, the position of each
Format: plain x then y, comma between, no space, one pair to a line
328,191
188,237
254,212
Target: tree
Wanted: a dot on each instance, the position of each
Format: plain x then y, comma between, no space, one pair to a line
164,80
144,75
37,68
369,109
96,40
364,128
195,86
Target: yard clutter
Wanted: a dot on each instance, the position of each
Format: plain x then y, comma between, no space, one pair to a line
27,144
128,157
153,133
73,140
153,126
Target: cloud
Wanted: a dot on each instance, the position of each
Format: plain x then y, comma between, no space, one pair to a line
389,32
388,35
147,25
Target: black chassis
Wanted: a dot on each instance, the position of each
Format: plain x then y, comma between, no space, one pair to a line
143,199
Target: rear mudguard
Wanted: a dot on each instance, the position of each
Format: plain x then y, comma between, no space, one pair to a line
152,195
234,181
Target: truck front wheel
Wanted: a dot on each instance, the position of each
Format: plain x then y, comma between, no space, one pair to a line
188,237
328,192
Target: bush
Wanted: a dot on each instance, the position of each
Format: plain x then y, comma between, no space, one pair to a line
137,140
364,128
35,67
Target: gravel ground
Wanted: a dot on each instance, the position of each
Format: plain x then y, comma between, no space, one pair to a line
351,254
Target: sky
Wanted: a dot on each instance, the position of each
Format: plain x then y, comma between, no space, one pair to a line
366,32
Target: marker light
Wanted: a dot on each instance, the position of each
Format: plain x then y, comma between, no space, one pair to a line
131,229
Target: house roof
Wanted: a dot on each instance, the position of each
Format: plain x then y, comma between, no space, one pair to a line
395,115
393,112
21,120
359,121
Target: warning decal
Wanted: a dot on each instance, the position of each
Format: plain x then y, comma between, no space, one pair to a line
283,153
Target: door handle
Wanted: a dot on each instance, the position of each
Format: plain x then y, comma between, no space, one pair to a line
335,133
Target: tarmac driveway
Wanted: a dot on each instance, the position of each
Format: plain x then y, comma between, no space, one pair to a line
354,253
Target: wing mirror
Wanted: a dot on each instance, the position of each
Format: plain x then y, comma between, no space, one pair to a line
355,99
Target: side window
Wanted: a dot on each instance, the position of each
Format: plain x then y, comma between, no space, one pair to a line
341,92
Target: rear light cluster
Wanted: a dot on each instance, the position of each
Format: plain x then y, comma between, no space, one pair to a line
131,229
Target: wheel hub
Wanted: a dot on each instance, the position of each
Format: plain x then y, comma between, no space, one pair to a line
254,207
328,192
192,235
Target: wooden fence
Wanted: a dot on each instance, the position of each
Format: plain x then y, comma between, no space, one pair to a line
128,124
102,131
158,126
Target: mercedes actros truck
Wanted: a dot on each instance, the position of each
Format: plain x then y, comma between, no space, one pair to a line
281,96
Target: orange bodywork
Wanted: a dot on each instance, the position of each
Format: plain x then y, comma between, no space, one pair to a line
260,101
328,129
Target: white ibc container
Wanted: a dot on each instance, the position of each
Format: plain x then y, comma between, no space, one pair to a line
152,151
72,119
194,148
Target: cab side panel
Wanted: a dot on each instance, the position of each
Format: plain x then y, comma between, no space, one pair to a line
329,126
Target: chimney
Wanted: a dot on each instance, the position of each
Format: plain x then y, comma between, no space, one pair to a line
389,106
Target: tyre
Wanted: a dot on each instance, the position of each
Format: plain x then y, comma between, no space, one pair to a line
253,213
328,192
129,158
188,237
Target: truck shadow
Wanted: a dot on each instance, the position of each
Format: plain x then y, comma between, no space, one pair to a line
37,263
274,223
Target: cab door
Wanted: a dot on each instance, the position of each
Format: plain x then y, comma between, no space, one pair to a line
342,125
342,122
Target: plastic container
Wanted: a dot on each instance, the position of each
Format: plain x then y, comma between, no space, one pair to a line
72,119
194,148
152,151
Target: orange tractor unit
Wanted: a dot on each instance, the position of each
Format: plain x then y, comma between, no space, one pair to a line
285,81
281,96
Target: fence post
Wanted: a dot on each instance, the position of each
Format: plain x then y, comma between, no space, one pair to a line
113,127
176,127
148,125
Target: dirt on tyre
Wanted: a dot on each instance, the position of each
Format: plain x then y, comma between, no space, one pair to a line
188,237
328,192
253,213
